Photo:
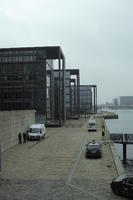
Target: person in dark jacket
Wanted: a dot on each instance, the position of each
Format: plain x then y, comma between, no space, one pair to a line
24,137
20,138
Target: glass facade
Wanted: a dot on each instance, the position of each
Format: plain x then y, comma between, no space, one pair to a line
85,99
23,55
68,93
27,80
16,82
71,92
58,94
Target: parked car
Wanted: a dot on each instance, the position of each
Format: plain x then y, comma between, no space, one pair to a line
123,185
36,132
93,150
91,125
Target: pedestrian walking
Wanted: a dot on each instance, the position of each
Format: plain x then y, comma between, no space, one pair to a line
20,138
103,133
24,137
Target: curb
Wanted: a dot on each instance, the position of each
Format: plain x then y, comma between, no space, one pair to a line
117,163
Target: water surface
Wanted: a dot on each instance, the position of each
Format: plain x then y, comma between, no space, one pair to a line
124,124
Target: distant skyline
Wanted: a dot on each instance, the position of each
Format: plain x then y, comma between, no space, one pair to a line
125,96
96,36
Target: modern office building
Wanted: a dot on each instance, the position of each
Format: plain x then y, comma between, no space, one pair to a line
72,94
27,82
88,99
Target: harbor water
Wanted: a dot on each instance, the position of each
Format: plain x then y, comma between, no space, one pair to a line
124,124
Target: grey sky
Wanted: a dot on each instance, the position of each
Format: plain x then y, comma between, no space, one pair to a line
96,36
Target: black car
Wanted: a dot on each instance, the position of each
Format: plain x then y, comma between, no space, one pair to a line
123,185
93,150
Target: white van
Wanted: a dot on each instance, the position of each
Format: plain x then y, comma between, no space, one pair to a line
36,132
91,125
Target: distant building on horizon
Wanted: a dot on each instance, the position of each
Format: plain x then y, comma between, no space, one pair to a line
125,101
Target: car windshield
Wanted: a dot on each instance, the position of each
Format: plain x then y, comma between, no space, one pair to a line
93,147
34,130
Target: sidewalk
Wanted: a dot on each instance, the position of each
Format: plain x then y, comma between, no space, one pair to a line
56,168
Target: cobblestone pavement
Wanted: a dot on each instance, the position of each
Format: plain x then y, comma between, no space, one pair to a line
56,168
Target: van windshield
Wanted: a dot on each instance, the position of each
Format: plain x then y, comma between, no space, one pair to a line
91,124
34,130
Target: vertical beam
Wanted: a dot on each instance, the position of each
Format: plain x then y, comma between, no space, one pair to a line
64,89
124,152
23,91
94,98
52,93
78,95
32,94
91,100
70,98
75,103
45,87
59,103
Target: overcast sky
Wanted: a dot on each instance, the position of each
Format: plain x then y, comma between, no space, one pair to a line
96,37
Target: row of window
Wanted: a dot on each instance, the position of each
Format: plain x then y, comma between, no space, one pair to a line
83,98
5,85
17,78
21,68
18,59
85,93
16,95
15,105
17,52
24,52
